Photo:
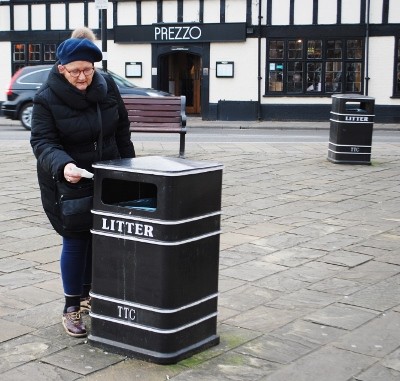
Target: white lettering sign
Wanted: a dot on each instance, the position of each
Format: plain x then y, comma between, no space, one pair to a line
126,313
174,33
127,227
356,118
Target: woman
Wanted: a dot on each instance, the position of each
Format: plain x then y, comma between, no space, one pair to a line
66,133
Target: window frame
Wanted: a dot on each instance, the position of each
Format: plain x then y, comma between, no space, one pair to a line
345,54
32,54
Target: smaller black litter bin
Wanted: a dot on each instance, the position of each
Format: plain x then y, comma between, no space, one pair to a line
156,228
351,124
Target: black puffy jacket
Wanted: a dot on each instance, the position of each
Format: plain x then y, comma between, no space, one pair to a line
66,128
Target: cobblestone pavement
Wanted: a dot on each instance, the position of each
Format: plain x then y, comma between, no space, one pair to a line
309,272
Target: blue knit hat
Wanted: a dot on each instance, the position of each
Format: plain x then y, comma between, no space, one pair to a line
78,49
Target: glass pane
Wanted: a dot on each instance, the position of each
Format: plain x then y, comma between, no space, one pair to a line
314,76
295,77
354,49
314,49
276,76
353,77
49,52
19,52
276,48
333,77
34,52
295,49
334,49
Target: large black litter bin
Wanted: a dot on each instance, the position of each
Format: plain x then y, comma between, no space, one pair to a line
351,124
156,230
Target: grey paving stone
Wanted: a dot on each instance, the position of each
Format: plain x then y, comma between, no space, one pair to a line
82,359
380,296
337,286
378,337
346,258
378,372
252,270
301,331
323,365
9,265
246,297
14,353
294,256
10,330
24,278
341,316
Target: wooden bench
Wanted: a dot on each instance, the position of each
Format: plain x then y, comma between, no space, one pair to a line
158,114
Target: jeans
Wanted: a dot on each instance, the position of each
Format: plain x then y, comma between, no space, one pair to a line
76,264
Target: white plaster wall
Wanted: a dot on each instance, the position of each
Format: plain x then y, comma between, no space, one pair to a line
191,11
394,11
127,13
21,17
303,12
4,18
235,11
211,11
280,12
57,16
5,72
39,17
118,54
351,11
149,12
76,18
244,84
327,12
381,70
170,11
94,16
375,15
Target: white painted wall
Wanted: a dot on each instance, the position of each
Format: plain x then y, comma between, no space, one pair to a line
4,18
39,17
381,70
244,84
376,11
303,12
149,12
58,16
351,11
21,17
211,11
191,11
280,12
235,11
127,13
170,8
76,19
327,12
5,72
394,11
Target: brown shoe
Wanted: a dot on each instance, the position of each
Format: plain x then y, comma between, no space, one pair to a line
72,322
86,305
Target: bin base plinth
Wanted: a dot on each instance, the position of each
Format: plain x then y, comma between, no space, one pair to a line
152,356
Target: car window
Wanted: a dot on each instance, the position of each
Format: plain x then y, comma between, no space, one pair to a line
34,77
120,81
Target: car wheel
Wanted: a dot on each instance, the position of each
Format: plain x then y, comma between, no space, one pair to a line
25,116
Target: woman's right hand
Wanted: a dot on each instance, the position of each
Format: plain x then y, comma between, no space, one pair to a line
71,174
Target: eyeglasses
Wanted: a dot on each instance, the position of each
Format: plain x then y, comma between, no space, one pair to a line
76,73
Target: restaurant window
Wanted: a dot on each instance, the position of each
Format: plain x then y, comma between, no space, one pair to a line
30,54
314,66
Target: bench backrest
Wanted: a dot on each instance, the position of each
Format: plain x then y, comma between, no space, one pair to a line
164,113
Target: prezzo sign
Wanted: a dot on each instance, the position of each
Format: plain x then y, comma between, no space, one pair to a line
180,33
176,33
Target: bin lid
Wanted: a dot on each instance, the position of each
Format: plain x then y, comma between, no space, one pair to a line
353,97
159,165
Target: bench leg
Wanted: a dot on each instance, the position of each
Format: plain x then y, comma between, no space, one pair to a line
182,145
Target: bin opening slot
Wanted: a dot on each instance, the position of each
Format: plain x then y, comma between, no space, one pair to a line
356,107
129,194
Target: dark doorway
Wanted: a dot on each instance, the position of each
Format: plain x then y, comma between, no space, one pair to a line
180,74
